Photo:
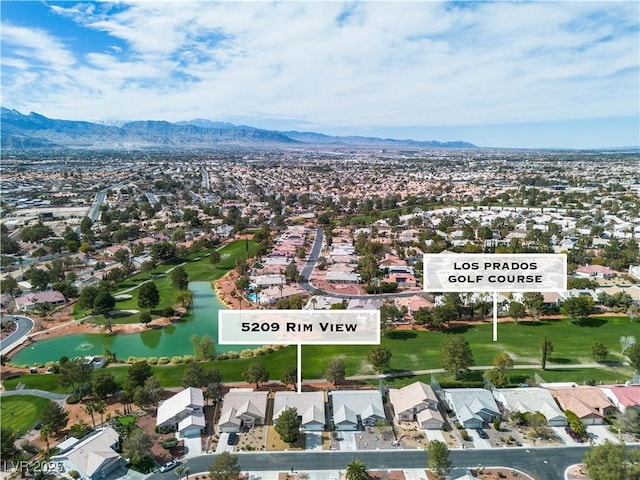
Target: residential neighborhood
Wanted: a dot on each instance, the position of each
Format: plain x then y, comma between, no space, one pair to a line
110,270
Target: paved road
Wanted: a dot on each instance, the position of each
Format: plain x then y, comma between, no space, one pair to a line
25,325
541,463
55,397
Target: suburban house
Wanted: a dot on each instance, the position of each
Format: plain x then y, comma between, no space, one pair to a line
623,396
242,408
309,405
413,304
342,277
590,404
531,400
92,457
472,406
416,402
31,301
598,271
184,413
402,279
356,409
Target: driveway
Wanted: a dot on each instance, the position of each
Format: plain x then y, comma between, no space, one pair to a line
347,440
435,435
564,436
192,446
222,444
599,433
313,440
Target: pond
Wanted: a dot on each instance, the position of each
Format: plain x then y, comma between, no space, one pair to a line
170,341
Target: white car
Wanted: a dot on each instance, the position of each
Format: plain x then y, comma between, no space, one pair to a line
170,465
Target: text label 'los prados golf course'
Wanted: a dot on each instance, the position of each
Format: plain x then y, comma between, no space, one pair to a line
515,272
305,327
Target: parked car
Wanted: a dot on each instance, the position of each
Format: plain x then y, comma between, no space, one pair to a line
170,465
37,426
481,433
233,438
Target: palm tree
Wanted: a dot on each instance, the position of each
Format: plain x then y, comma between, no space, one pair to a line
100,407
90,408
356,470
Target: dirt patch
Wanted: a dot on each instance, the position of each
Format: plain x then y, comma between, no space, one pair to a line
578,472
500,474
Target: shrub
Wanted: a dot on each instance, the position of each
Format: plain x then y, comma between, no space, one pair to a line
169,443
74,474
246,353
163,360
152,360
233,355
464,434
176,360
132,360
71,400
222,356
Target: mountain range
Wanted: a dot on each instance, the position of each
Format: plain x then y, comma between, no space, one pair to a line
19,131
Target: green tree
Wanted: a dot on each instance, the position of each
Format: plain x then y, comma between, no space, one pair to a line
389,314
502,361
335,372
546,349
39,279
103,303
599,351
79,429
633,353
137,446
7,441
9,285
497,377
184,298
578,308
456,355
148,295
74,372
438,457
356,470
534,302
87,296
379,357
54,418
517,310
255,373
145,318
224,467
214,258
288,425
103,384
179,278
203,347
610,461
148,394
289,376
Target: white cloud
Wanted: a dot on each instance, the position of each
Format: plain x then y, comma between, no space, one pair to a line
380,64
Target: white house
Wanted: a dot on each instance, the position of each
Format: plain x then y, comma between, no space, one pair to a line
184,413
356,409
309,405
472,406
418,402
93,457
531,400
242,408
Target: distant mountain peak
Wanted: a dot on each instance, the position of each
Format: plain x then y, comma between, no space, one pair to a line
37,131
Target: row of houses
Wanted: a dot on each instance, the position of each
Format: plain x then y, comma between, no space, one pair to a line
353,410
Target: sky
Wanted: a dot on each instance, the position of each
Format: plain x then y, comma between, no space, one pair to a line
541,74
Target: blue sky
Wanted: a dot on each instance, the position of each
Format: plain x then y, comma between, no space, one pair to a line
504,74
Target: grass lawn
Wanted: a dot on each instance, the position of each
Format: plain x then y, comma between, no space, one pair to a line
231,370
420,349
22,412
197,270
126,420
37,381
